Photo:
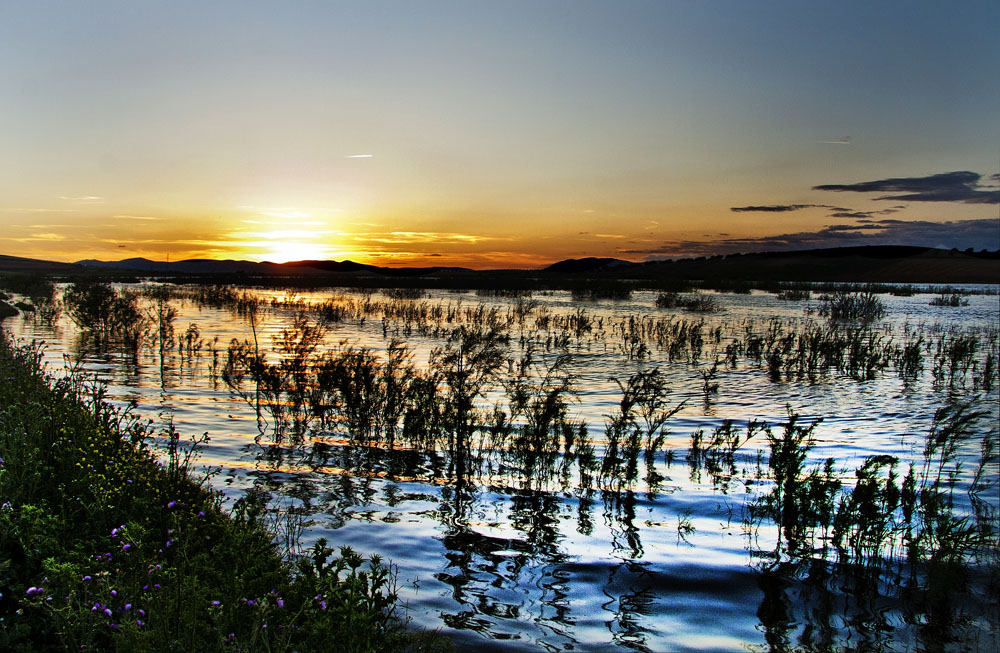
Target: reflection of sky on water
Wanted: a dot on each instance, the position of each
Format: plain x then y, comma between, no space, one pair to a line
545,562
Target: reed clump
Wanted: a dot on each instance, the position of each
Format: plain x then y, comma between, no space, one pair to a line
109,544
853,306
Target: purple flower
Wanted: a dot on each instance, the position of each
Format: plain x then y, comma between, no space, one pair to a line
171,505
281,603
322,604
107,611
140,623
128,606
126,547
86,578
216,602
114,592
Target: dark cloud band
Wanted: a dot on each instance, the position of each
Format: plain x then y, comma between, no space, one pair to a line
960,186
961,234
778,208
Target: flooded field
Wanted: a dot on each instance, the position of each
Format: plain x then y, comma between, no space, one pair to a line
549,472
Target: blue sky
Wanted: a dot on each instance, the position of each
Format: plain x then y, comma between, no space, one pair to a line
511,133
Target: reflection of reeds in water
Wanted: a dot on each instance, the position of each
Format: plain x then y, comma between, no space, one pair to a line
493,405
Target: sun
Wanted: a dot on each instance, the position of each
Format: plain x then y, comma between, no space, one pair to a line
283,251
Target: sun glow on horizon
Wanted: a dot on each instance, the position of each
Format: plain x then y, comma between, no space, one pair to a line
283,251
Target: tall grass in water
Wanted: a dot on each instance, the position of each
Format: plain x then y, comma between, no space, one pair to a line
106,546
105,313
908,536
853,306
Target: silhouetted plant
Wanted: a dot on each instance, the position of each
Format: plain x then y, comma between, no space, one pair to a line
853,306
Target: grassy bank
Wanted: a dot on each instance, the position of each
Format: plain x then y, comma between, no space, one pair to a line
102,547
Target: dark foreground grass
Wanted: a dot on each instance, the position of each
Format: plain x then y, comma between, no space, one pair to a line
102,547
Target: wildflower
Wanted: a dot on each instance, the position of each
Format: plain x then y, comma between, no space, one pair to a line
128,606
322,604
281,603
86,578
171,505
140,623
216,602
126,547
107,611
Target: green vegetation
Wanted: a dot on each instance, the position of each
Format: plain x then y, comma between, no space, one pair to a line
491,405
695,303
108,544
949,298
853,306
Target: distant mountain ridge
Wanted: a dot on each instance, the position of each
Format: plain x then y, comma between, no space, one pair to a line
879,264
577,265
267,268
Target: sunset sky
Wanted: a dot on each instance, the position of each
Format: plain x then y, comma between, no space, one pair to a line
494,134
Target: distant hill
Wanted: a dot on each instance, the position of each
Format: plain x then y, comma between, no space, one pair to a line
19,264
229,267
877,264
589,264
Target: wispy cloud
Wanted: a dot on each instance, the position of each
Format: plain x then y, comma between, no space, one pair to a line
960,186
82,198
22,209
285,223
359,156
36,237
843,140
779,208
860,215
414,237
136,217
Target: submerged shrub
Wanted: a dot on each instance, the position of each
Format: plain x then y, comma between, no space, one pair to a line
853,307
953,300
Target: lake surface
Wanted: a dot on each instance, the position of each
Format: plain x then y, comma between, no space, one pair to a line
499,551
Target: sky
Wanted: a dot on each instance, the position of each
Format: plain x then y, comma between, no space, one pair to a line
494,134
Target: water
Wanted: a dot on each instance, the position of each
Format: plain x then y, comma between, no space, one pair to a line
551,562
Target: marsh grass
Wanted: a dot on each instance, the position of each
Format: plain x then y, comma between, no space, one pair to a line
906,536
106,544
862,306
493,404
